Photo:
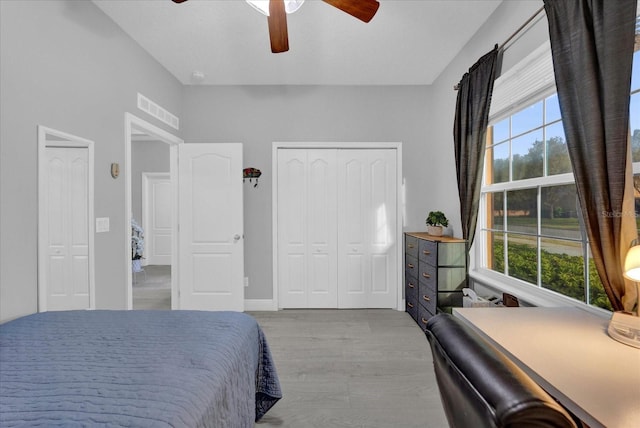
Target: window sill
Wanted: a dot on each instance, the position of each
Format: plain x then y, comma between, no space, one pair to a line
528,293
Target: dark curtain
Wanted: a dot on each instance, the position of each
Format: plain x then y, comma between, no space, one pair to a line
469,134
592,48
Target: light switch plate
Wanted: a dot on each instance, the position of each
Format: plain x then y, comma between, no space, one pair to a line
102,224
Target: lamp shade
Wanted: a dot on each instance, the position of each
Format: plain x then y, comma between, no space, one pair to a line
632,263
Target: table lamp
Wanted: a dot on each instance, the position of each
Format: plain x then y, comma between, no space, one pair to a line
625,326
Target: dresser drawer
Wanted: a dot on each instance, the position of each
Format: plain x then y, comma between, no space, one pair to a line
428,252
410,287
427,274
411,245
423,317
410,266
427,297
412,308
451,279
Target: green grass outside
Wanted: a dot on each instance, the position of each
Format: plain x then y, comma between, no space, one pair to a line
562,273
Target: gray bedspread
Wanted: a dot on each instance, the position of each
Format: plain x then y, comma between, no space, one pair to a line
135,368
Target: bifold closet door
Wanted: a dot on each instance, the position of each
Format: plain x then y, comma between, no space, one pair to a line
367,219
307,230
337,222
66,233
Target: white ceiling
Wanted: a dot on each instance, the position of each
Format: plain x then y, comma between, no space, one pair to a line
408,42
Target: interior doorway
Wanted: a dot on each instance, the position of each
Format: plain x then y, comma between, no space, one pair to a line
150,149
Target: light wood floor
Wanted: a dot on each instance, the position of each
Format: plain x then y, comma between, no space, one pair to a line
338,368
351,368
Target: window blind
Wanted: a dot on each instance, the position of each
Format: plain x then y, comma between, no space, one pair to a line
524,83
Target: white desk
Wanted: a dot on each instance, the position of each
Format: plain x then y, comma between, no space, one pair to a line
568,352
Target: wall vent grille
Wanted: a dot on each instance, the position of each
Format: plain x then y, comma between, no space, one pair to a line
148,106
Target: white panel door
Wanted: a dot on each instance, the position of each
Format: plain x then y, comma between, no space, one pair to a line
210,243
65,201
156,212
307,228
367,219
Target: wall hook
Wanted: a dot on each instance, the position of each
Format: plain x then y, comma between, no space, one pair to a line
251,173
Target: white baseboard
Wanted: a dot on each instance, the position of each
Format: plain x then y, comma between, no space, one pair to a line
260,305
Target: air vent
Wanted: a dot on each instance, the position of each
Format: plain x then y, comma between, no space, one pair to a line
148,106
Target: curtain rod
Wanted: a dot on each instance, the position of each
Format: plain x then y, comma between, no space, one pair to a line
515,33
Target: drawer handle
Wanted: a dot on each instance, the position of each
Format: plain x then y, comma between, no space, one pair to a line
426,298
410,305
424,321
410,245
426,275
426,253
411,285
410,266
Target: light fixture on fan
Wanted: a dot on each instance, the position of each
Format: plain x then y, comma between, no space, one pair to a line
262,6
277,10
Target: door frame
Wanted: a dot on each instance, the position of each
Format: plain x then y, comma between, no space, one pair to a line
66,140
400,304
130,122
146,220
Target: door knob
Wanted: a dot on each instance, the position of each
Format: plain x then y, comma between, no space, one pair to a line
236,237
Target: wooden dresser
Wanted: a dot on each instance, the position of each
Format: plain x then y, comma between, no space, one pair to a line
435,274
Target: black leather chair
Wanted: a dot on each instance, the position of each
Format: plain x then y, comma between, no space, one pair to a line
480,387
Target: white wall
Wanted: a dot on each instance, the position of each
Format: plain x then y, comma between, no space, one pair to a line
66,65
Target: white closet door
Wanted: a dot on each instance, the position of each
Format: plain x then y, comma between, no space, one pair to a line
367,219
307,257
66,234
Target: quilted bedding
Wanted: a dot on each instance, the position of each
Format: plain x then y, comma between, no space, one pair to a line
135,368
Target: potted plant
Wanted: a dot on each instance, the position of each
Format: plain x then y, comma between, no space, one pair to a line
436,221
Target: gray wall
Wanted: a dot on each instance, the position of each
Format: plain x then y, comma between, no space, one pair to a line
67,66
258,115
146,156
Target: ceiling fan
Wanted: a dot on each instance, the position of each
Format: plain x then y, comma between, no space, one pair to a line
276,13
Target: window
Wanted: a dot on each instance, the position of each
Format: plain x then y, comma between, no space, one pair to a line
529,227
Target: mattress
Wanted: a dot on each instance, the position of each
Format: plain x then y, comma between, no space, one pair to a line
135,368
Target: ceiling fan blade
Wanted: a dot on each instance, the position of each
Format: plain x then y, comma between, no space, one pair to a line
364,10
277,20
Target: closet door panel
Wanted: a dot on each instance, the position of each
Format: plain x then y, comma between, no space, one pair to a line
291,229
307,228
383,244
366,228
320,198
353,263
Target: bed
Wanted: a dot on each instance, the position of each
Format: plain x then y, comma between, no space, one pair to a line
135,368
